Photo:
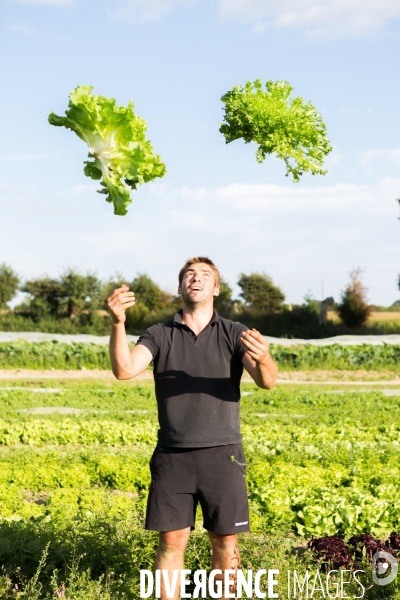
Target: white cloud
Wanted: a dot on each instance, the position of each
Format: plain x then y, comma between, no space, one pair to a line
339,199
138,11
323,19
57,3
291,232
378,158
194,193
23,28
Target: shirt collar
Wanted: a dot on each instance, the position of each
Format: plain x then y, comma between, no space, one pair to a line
178,318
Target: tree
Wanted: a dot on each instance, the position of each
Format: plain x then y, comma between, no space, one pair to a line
354,309
67,296
9,282
78,293
45,297
223,302
260,293
149,293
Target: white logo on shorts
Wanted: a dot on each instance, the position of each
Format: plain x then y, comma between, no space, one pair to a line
242,523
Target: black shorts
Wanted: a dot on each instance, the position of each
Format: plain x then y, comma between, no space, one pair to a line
182,477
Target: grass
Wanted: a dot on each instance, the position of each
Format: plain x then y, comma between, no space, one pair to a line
73,486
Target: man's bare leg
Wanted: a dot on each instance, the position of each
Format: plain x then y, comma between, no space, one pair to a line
169,556
225,555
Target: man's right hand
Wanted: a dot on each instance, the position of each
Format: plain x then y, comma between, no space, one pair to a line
119,301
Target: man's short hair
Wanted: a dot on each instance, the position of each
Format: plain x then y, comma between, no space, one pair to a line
199,259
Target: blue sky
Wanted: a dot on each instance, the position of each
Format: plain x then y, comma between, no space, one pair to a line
175,58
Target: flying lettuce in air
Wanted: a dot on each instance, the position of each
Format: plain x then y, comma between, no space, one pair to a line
120,156
292,130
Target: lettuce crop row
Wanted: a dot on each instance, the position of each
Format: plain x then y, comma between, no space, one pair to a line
77,431
57,355
48,355
310,479
336,356
317,464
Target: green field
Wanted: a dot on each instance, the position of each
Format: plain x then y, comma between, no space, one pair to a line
58,355
73,484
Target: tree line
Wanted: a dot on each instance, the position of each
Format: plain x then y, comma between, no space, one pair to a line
72,294
76,302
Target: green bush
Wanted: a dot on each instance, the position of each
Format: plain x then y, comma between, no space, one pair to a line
353,308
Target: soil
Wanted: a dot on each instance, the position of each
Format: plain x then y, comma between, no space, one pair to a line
38,374
285,377
337,376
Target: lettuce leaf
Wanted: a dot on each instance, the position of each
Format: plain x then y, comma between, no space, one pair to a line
286,126
120,156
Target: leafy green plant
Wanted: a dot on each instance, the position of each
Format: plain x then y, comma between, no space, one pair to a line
119,152
279,124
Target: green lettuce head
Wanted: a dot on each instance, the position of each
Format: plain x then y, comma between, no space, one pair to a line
287,127
120,156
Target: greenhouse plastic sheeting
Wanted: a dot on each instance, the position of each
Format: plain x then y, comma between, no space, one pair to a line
35,336
346,340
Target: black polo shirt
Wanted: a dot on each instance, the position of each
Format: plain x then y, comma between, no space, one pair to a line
197,381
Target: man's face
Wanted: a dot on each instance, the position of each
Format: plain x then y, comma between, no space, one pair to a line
198,285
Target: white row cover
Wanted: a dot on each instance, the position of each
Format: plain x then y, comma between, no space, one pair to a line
345,340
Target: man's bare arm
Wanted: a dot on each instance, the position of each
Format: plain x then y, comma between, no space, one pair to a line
125,363
257,359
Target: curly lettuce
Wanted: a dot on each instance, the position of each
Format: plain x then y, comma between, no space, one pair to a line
120,156
294,131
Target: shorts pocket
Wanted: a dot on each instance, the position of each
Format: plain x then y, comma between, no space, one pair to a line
237,459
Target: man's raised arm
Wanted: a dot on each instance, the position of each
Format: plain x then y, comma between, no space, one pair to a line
258,360
125,363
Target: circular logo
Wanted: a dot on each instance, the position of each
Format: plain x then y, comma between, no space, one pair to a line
379,569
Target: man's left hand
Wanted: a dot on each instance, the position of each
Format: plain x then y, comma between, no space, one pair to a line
255,345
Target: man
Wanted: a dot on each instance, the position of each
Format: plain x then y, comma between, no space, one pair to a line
198,363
